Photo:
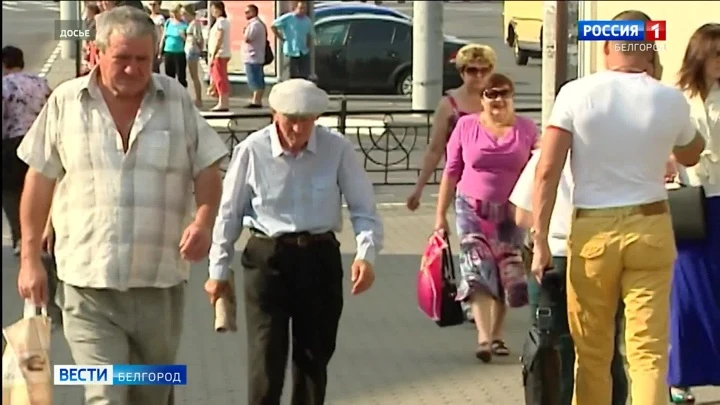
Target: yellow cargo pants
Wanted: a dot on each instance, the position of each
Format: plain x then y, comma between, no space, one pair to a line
615,253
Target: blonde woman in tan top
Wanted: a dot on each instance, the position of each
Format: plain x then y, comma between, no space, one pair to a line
474,63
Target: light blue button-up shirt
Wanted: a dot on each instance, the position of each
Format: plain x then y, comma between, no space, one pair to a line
296,30
271,190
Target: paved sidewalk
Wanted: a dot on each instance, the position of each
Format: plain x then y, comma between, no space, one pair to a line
388,352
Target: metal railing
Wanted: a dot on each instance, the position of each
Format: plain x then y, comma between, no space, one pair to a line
390,143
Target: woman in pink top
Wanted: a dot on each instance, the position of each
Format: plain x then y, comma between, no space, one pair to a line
485,156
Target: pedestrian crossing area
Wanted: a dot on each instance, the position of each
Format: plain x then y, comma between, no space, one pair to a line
30,6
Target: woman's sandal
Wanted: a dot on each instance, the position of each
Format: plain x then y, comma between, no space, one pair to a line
484,352
680,395
499,349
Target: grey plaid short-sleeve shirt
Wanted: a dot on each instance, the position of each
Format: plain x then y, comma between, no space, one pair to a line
119,216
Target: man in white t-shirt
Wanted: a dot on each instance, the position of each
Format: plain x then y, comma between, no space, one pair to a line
559,229
620,126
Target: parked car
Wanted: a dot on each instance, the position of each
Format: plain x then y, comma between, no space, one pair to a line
324,10
523,26
523,29
363,53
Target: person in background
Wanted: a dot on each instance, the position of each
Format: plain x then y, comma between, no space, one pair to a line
296,31
126,226
695,296
23,97
286,182
194,44
131,3
219,56
485,155
620,244
474,63
521,197
107,5
159,20
172,46
90,53
254,54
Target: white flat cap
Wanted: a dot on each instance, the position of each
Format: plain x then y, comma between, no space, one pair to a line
298,97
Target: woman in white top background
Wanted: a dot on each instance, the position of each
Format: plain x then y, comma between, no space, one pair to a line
695,302
219,55
159,20
194,45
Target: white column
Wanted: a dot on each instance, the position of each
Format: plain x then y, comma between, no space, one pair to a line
554,53
68,15
427,63
548,60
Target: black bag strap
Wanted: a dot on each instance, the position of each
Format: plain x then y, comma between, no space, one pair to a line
550,292
448,265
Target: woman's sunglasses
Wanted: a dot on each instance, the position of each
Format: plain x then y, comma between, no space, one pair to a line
492,94
474,71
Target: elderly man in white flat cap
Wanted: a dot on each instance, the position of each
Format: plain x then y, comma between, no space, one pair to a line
285,183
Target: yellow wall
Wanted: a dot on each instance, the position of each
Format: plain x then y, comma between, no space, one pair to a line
683,18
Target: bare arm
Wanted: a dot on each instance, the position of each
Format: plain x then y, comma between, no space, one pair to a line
445,195
309,38
438,140
208,190
208,151
555,143
452,173
689,155
277,33
39,149
161,36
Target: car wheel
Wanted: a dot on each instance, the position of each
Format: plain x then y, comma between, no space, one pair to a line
521,56
404,84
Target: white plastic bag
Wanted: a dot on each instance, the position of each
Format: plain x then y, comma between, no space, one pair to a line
26,376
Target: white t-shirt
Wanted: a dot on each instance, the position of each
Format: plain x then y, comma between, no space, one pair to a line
221,24
521,197
159,21
624,128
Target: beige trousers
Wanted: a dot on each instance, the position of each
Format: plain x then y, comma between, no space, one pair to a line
138,326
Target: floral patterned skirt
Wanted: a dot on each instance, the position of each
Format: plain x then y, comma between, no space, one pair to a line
490,251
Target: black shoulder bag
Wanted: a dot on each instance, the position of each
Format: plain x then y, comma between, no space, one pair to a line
687,208
269,57
540,359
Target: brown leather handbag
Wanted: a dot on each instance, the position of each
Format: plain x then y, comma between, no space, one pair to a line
687,208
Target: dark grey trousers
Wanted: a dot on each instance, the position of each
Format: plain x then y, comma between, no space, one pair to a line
300,67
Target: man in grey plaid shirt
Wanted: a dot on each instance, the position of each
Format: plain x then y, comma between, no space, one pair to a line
126,147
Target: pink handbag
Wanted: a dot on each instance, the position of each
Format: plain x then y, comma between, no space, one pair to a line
429,282
436,283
